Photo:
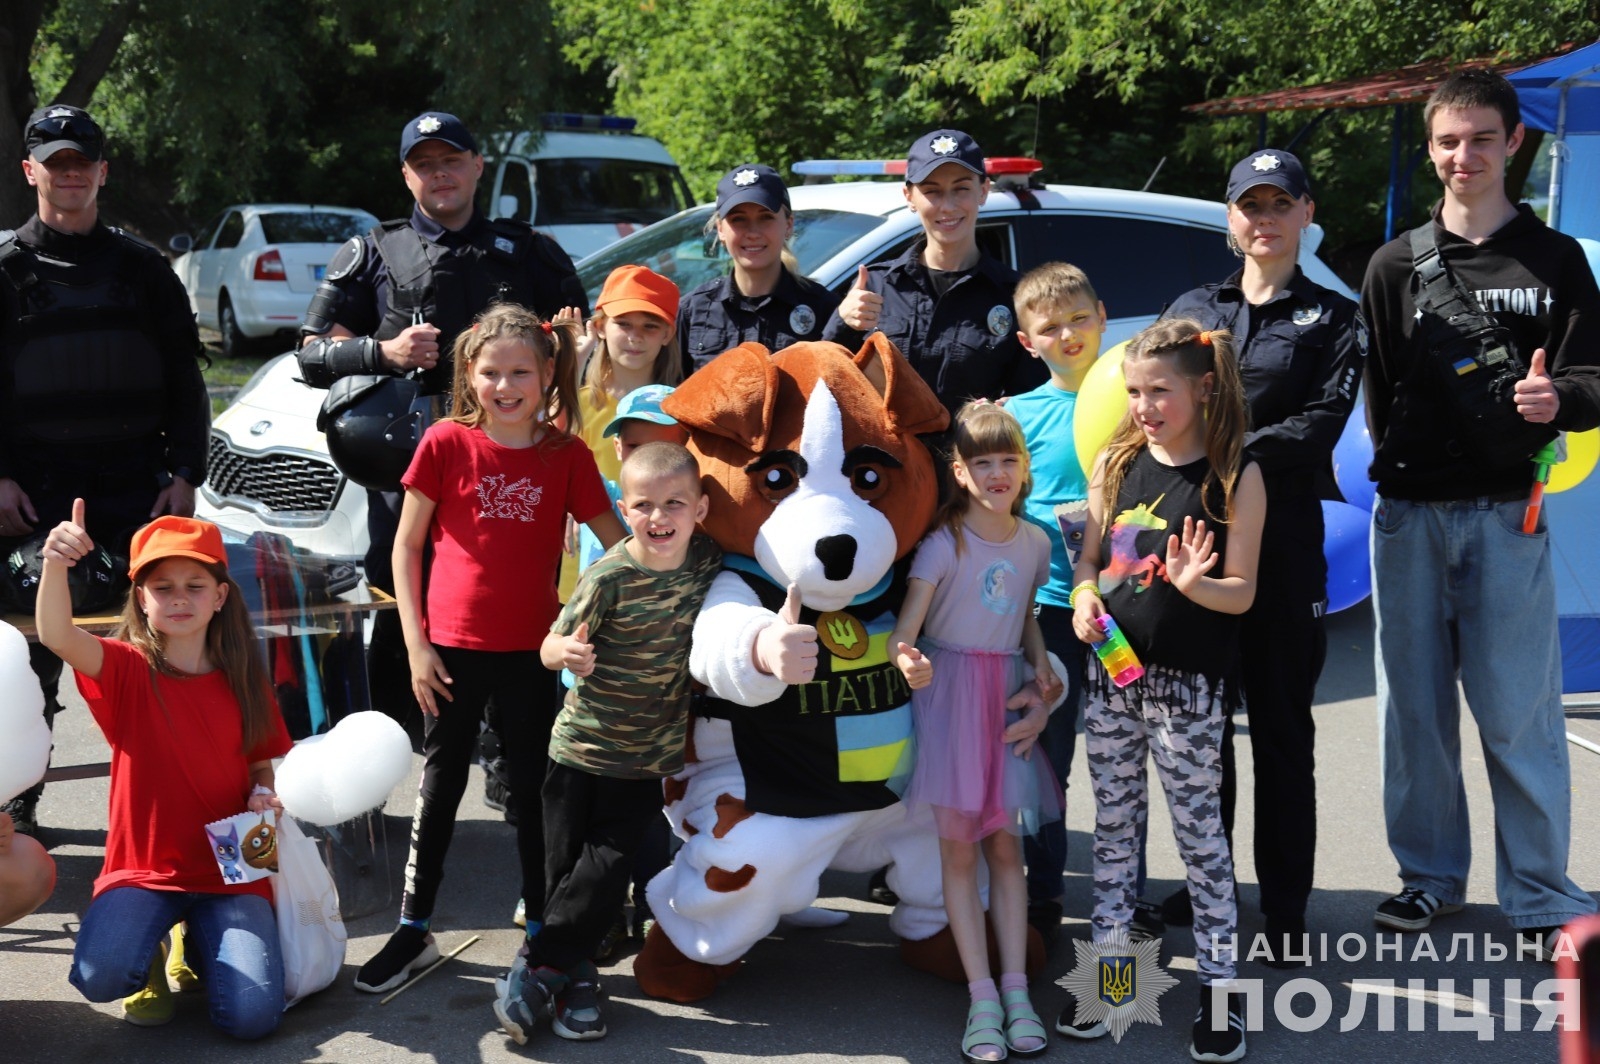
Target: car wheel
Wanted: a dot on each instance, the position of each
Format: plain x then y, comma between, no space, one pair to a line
234,343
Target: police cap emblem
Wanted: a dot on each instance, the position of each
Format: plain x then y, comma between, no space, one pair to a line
1306,314
1266,162
428,124
802,320
945,145
59,112
745,178
999,320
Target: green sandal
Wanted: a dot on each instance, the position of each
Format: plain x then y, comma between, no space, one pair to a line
1022,1022
984,1019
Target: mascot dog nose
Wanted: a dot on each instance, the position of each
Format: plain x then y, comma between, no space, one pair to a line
838,556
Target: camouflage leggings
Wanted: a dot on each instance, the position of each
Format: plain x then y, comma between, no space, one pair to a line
1178,717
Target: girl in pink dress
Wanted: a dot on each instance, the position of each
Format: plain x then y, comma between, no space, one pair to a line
970,597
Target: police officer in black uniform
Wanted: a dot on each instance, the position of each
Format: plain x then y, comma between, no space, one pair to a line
1301,352
945,303
762,298
100,389
393,302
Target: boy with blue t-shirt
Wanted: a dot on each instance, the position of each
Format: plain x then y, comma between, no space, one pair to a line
1060,322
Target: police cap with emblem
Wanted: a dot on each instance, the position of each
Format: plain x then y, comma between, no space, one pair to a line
932,150
1269,166
436,125
752,183
59,126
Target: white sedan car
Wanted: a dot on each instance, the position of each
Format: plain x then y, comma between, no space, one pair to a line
251,272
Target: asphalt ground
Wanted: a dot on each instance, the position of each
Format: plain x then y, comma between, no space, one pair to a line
842,994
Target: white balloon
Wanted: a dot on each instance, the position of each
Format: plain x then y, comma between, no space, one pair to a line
24,736
330,778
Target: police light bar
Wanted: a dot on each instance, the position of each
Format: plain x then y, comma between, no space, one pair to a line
999,166
565,120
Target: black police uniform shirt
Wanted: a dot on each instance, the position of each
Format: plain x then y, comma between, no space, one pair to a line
1533,281
367,290
716,316
1300,359
962,341
99,368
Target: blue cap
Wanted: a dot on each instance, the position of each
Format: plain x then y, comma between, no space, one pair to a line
436,125
1269,166
50,129
642,404
752,183
932,150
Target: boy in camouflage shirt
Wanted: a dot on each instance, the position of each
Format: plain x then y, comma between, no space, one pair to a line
624,636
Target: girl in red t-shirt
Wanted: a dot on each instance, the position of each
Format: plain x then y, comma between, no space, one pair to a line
487,496
183,697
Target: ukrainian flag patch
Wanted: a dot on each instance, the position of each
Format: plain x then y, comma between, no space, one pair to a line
1465,366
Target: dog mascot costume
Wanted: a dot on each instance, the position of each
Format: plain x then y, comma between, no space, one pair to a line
819,490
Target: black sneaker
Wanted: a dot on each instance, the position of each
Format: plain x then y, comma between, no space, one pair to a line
1412,910
1085,1030
613,940
1147,924
24,815
407,950
1208,1044
577,1013
878,889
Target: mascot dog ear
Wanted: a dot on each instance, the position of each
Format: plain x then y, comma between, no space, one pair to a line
910,406
731,396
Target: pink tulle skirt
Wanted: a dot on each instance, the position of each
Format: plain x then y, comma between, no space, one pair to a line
972,779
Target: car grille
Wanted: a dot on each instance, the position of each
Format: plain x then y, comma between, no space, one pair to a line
277,480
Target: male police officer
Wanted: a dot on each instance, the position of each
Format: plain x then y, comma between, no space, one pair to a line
100,388
394,301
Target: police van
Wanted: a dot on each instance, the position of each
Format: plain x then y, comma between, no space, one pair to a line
269,464
587,180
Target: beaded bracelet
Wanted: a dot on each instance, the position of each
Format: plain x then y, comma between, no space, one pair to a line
1087,585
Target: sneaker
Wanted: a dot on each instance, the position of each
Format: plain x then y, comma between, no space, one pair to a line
522,999
1147,923
520,915
577,1012
613,939
152,1006
1085,1030
179,974
407,950
878,889
1412,910
1208,1044
1541,942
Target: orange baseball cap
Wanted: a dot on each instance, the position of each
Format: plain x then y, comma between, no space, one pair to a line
638,288
175,537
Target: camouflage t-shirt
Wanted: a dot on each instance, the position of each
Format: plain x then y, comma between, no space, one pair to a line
629,717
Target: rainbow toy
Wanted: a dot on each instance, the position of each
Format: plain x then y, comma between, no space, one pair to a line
1115,654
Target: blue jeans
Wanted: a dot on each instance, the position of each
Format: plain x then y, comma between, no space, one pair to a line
1046,852
1459,590
232,944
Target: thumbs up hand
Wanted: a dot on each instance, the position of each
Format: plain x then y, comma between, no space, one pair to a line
917,668
861,305
786,648
577,657
1536,397
68,541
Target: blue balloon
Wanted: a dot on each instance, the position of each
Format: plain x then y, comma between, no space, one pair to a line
1345,546
1351,457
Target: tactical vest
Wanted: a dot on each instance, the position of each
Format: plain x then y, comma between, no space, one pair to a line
843,742
79,364
449,287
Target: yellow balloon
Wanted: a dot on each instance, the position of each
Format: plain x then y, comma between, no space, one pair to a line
1583,450
1102,400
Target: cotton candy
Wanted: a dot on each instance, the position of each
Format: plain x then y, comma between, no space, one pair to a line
24,736
330,778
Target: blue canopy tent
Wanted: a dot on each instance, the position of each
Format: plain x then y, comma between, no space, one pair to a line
1562,96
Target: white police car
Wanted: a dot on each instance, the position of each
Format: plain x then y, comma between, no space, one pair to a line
1140,249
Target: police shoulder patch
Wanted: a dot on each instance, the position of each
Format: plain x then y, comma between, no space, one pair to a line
348,259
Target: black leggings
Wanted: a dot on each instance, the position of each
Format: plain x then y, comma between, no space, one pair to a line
524,693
